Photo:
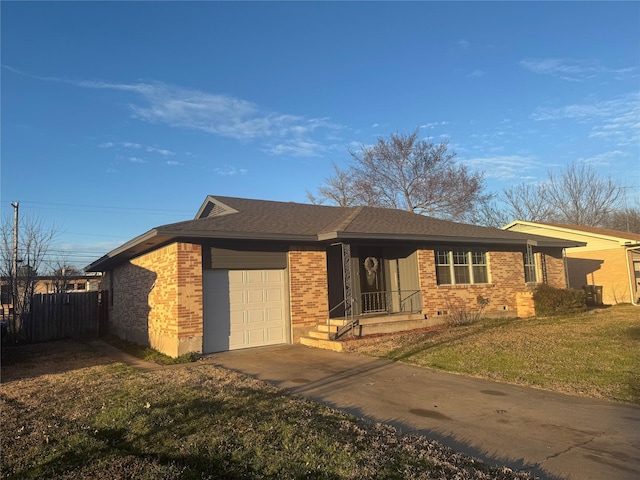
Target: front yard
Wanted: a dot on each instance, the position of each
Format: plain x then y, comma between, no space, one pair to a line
69,412
596,353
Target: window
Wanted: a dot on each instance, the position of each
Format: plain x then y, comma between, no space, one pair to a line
5,295
530,270
455,267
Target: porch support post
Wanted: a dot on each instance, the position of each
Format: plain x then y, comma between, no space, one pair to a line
346,277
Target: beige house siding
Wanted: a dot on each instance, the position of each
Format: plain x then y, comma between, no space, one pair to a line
602,262
606,268
156,299
308,289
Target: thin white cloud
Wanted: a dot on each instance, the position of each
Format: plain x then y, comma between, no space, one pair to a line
298,148
575,70
217,114
432,125
464,44
137,146
477,74
173,163
604,159
503,166
137,160
228,170
615,120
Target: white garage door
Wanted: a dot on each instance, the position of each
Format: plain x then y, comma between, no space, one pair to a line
244,308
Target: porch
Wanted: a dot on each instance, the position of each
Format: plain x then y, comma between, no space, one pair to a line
373,313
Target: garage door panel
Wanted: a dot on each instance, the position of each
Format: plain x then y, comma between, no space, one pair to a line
255,305
237,318
274,315
255,316
276,334
273,295
254,276
235,276
255,295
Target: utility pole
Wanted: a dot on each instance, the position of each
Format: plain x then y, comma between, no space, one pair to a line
14,289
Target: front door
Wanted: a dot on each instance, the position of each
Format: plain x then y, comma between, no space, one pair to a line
372,281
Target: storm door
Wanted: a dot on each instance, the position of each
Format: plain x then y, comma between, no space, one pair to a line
372,282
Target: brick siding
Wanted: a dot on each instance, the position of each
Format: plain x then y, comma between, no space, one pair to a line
308,290
506,281
157,298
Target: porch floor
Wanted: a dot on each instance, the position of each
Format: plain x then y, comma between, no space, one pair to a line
367,325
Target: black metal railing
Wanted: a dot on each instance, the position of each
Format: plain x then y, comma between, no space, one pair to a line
402,301
387,302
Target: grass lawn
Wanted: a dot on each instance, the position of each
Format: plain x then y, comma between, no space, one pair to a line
69,412
596,353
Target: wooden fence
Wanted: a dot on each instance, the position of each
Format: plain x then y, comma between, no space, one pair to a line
60,315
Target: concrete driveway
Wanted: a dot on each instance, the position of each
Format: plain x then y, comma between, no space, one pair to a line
547,434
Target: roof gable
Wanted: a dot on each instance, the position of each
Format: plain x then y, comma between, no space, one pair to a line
578,232
213,207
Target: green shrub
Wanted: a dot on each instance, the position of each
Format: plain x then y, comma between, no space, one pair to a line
558,301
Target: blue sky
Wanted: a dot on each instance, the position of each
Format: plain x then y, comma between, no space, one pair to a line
117,117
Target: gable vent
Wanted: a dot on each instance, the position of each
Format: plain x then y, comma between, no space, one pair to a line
214,208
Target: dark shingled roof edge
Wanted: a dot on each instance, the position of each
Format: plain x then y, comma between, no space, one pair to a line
297,222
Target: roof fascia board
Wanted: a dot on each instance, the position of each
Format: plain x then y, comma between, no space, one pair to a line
237,235
576,231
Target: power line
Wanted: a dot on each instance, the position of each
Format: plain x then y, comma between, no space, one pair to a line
82,207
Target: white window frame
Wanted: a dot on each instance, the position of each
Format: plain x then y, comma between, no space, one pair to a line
469,256
530,266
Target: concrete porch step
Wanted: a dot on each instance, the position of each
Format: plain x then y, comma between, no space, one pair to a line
335,324
319,337
370,327
319,334
322,343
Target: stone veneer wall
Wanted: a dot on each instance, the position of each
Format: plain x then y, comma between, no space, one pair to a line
156,299
308,290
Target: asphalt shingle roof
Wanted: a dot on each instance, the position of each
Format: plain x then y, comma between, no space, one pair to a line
242,218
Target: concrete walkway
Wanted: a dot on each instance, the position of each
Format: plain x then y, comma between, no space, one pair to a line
547,434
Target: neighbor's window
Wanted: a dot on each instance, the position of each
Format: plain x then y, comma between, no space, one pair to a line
5,294
530,270
454,267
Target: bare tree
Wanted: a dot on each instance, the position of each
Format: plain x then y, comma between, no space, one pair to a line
624,220
580,196
405,173
61,272
34,240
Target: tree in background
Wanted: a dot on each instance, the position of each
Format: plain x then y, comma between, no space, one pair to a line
61,272
34,240
580,196
625,220
576,196
405,173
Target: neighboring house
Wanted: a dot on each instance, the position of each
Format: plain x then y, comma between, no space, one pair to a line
250,272
610,259
89,282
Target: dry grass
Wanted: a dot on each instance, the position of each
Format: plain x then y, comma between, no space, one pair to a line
596,353
70,413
